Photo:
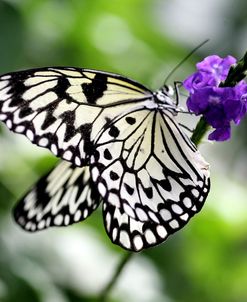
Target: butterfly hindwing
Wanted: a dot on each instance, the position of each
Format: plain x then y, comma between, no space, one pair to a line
130,233
64,196
62,109
151,177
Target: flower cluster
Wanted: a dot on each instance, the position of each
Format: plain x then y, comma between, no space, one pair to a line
219,105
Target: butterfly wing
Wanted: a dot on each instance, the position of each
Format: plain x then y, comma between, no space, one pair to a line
151,177
64,196
131,233
63,109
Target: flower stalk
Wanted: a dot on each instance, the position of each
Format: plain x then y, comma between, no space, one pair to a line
105,293
201,129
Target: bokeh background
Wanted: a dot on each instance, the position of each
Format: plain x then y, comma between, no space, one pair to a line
144,40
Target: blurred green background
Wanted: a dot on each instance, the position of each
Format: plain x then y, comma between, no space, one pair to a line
144,40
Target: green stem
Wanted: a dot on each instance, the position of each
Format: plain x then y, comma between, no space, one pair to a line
235,75
201,129
105,293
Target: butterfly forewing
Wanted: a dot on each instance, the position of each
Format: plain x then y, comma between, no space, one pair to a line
152,179
62,109
64,196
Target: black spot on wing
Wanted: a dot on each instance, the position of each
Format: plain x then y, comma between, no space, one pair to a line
149,192
49,119
129,189
96,88
114,175
107,154
68,118
25,111
18,86
85,131
61,88
114,131
17,91
130,120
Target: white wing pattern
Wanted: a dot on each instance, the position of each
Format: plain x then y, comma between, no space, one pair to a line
123,147
64,196
62,109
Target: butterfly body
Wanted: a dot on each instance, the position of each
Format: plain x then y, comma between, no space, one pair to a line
122,145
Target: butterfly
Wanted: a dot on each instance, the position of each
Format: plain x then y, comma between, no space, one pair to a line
121,147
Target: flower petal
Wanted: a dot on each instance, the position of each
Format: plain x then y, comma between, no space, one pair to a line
220,134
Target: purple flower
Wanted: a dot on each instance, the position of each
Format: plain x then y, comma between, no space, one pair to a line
198,80
219,106
217,67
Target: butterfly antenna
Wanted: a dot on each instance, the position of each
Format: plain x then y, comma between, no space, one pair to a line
184,59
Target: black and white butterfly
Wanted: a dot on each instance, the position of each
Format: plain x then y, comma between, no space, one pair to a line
122,147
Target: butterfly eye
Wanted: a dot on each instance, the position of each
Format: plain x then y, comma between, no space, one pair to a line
167,89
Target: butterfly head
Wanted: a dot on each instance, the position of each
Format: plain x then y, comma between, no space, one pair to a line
164,97
168,90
